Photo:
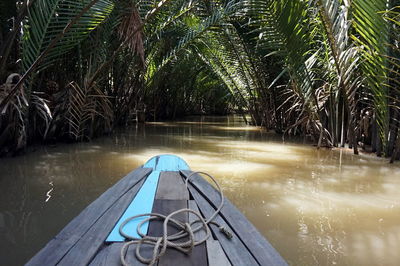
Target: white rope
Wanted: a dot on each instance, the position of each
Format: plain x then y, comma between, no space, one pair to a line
160,244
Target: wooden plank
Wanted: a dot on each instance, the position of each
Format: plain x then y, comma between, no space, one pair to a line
97,208
146,251
215,254
260,248
236,251
172,256
193,206
88,245
108,256
142,203
67,238
53,251
199,252
167,200
166,207
172,187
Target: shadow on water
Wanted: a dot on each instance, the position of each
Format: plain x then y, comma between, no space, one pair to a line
317,207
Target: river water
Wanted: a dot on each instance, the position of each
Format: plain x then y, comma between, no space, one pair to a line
316,207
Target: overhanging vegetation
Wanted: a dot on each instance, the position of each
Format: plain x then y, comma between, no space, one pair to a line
328,69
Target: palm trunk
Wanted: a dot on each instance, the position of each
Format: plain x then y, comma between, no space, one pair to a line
396,151
342,134
331,119
393,133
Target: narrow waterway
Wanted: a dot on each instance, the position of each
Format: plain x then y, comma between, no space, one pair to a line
316,207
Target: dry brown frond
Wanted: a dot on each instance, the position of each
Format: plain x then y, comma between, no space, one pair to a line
130,23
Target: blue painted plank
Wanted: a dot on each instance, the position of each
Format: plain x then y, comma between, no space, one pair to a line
183,165
142,203
151,163
164,163
169,162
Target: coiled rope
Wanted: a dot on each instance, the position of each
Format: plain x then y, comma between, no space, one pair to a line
160,244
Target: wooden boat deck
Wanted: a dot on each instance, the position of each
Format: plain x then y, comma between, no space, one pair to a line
82,241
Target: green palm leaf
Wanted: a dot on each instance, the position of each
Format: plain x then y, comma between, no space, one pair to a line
217,17
372,33
48,18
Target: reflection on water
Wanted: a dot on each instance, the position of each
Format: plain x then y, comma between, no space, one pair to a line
316,207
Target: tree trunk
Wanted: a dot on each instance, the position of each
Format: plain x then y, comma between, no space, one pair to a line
342,134
392,133
374,134
396,151
378,145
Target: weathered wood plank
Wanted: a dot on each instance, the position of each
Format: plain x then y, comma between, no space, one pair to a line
130,257
215,254
193,206
88,245
68,237
108,256
155,229
168,199
234,248
260,248
166,207
199,252
171,256
172,187
105,201
53,251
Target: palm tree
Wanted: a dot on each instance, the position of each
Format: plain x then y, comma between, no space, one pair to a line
323,68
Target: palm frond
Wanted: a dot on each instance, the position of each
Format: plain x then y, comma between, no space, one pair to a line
48,18
214,19
85,106
372,34
342,63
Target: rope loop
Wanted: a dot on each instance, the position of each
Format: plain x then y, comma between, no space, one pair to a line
186,231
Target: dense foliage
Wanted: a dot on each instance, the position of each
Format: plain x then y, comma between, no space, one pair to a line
327,69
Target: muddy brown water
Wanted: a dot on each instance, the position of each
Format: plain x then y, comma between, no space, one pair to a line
316,207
